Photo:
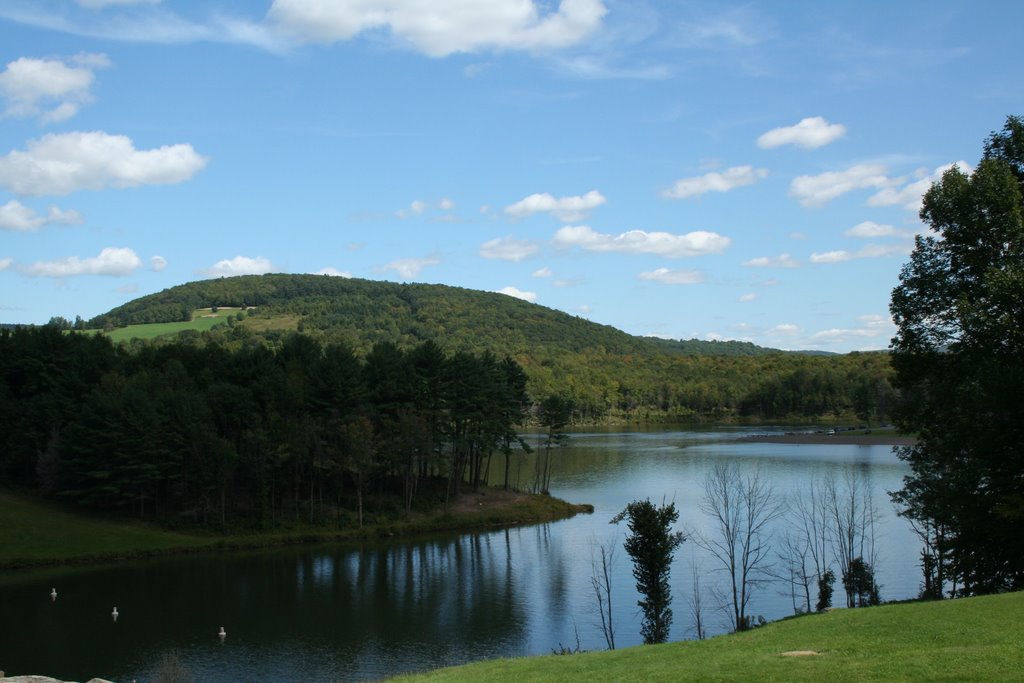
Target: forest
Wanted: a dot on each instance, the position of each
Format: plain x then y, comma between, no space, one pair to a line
608,374
401,391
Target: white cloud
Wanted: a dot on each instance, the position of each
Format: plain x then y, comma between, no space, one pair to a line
810,133
870,251
418,207
112,261
673,277
59,164
157,263
729,179
910,195
566,209
16,216
49,89
869,229
780,261
783,330
239,265
519,294
411,267
747,298
818,190
508,249
639,242
542,272
441,28
333,272
6,263
871,327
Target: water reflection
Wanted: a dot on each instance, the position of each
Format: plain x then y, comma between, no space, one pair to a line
365,612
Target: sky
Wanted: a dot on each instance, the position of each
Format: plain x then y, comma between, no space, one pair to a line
714,170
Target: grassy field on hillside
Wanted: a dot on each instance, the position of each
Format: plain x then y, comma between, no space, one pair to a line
974,639
202,320
37,533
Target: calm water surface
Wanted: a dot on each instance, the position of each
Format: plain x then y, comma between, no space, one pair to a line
368,611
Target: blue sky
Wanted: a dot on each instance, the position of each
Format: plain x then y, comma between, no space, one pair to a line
681,169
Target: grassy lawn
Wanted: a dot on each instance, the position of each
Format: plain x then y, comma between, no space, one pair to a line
37,533
975,639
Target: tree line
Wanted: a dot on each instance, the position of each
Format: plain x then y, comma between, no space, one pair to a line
255,433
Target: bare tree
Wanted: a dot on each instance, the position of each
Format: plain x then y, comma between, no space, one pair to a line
696,602
602,561
853,517
742,509
806,548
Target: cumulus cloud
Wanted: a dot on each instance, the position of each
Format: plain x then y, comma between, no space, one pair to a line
910,195
666,244
729,179
783,330
411,267
810,133
439,29
59,164
566,209
16,216
157,263
672,277
333,272
869,229
6,263
508,249
818,190
112,261
239,265
870,251
519,294
51,90
780,261
542,272
747,298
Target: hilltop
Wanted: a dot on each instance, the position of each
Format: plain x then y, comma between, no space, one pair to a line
604,370
364,312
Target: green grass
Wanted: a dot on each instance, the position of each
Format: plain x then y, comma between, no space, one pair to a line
974,639
202,320
39,533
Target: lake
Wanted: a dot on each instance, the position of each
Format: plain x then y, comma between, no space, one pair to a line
359,612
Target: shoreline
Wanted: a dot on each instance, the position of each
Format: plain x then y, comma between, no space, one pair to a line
487,510
820,438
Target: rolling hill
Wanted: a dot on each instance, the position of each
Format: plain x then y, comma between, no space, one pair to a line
605,370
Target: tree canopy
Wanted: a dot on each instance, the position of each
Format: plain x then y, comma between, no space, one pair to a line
959,360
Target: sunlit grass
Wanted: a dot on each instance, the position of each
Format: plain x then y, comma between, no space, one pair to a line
975,639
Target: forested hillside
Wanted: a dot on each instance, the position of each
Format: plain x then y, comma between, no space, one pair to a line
604,370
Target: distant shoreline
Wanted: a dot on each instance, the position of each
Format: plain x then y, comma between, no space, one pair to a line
837,439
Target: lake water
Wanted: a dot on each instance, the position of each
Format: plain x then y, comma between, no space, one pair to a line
372,610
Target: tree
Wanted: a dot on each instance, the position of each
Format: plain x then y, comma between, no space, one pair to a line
602,561
741,509
652,544
959,360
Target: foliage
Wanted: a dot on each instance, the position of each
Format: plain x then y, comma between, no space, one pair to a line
859,581
652,544
959,359
825,583
209,433
602,370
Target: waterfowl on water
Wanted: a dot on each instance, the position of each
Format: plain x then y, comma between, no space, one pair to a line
222,633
